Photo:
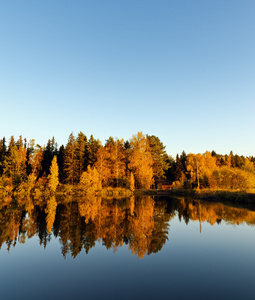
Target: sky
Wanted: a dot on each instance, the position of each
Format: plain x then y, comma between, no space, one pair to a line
183,71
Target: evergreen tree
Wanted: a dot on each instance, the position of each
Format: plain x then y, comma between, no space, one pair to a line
80,152
2,155
71,170
159,156
179,169
15,162
91,151
183,158
60,159
50,150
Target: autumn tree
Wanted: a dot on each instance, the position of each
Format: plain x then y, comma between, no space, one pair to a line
35,160
200,166
15,162
116,159
141,161
103,165
90,180
53,180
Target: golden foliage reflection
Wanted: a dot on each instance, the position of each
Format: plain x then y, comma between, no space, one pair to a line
141,224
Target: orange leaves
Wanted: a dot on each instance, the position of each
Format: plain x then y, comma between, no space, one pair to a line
141,161
90,180
202,165
53,177
35,160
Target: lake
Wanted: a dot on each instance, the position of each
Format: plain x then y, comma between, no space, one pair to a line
133,248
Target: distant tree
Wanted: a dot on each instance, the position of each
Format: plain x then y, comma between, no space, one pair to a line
103,166
60,160
80,152
15,162
183,158
3,151
90,180
159,156
201,166
170,172
116,159
71,167
141,161
49,151
179,169
53,179
35,160
91,151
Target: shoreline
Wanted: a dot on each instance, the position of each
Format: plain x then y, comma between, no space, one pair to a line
205,194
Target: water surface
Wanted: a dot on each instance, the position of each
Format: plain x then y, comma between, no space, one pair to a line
135,248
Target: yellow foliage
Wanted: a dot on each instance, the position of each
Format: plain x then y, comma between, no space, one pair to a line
90,180
35,160
141,161
53,177
102,165
201,164
232,178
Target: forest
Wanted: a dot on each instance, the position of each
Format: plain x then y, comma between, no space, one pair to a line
87,165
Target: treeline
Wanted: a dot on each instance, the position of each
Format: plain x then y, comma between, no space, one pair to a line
140,162
137,163
212,170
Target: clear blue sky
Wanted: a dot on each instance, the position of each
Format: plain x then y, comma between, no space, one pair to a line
181,70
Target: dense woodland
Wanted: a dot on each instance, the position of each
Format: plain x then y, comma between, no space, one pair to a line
139,163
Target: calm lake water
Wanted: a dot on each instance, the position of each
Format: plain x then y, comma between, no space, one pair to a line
136,248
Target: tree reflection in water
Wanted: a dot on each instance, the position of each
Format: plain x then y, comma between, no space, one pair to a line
141,223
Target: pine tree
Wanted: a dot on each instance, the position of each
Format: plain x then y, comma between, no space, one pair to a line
91,151
159,156
80,152
15,162
71,170
2,155
49,151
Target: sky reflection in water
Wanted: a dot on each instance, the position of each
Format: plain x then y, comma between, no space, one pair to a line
178,261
